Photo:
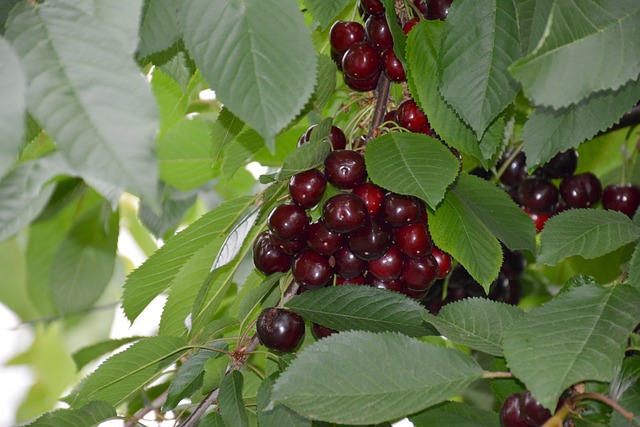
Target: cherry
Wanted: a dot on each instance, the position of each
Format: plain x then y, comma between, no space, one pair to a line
345,169
408,26
410,116
347,264
372,7
582,190
395,285
288,221
622,198
307,188
510,415
371,195
343,213
514,263
289,247
363,85
416,294
388,266
337,58
371,241
419,273
322,240
538,194
414,240
378,32
532,411
267,258
398,210
517,169
343,34
337,137
561,165
320,331
311,269
539,219
359,280
505,289
438,9
361,61
280,329
422,6
444,261
392,66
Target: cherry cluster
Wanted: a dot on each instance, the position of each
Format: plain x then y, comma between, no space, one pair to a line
523,410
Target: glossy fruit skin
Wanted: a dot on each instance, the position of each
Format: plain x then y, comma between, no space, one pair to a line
622,198
288,221
581,191
395,285
359,280
343,213
365,85
410,116
413,240
323,240
444,261
539,219
532,411
279,329
419,274
392,67
307,188
388,266
347,264
378,32
289,247
345,169
361,61
371,195
510,415
538,194
517,169
561,165
320,331
267,258
438,9
398,210
408,26
336,137
370,241
372,7
343,34
311,269
514,263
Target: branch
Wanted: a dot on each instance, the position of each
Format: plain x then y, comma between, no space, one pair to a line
135,420
384,86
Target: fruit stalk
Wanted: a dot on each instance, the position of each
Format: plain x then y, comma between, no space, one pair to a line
382,97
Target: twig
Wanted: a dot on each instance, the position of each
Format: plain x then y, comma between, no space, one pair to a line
134,421
383,89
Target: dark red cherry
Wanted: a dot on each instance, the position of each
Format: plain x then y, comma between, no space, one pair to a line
444,261
289,247
408,26
395,285
372,7
359,280
337,137
343,213
561,165
510,415
322,240
582,190
345,169
398,210
267,258
532,411
320,331
307,188
361,61
288,221
410,116
378,32
311,269
438,9
393,67
622,198
343,34
414,239
280,329
422,6
371,195
539,219
347,264
514,263
337,58
538,194
388,266
365,85
371,241
516,171
419,273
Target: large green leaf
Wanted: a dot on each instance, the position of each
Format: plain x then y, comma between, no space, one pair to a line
423,45
480,41
589,233
88,93
581,335
172,100
122,19
123,374
532,21
174,205
634,268
159,271
583,50
361,307
411,163
90,415
159,27
325,11
478,323
398,35
454,414
230,400
83,263
339,378
306,157
12,106
549,131
280,415
239,151
242,58
87,354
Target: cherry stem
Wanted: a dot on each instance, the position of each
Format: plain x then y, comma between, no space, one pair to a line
383,89
606,400
135,419
490,375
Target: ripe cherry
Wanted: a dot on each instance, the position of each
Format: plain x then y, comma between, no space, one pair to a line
393,67
347,264
320,331
336,137
516,171
343,34
343,213
408,26
378,32
388,266
322,240
419,273
311,269
444,261
410,116
345,169
582,190
395,285
307,188
532,411
361,61
280,329
289,247
438,9
561,165
267,258
371,241
514,263
510,414
538,194
288,221
622,198
371,195
539,219
363,85
372,7
359,280
398,210
414,239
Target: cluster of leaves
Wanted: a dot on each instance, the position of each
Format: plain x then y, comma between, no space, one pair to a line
81,125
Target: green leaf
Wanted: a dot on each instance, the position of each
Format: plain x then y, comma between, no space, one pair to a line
411,163
305,157
172,100
361,307
589,233
454,414
630,399
423,45
239,151
253,291
83,263
224,130
86,355
398,35
479,43
326,83
325,11
532,22
212,419
230,400
280,415
339,378
634,268
255,38
189,378
123,374
579,38
477,323
184,154
175,204
5,8
12,106
549,131
159,27
158,272
88,93
90,415
581,335
123,21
